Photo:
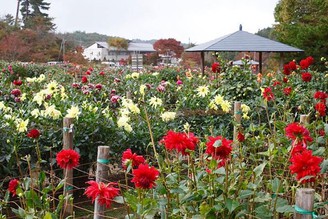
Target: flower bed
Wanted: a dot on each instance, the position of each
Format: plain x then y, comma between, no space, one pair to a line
190,165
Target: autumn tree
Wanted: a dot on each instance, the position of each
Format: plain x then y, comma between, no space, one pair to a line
303,24
169,47
75,56
118,43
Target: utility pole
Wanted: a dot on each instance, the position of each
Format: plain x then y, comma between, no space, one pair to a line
17,11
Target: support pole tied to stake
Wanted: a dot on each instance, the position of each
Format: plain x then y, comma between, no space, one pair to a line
103,161
302,211
239,112
68,129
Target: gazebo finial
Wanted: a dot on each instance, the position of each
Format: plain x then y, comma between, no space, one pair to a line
240,27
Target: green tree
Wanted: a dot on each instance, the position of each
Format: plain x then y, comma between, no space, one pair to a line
33,14
303,24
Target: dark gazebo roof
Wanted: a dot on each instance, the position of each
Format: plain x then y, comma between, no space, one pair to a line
242,41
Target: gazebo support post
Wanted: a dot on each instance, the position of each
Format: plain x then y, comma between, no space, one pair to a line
202,62
281,61
260,62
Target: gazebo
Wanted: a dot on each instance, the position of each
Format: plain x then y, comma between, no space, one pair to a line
242,41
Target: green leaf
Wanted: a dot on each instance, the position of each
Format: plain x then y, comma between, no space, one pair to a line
259,169
263,212
245,193
324,166
119,199
275,185
285,209
231,205
319,152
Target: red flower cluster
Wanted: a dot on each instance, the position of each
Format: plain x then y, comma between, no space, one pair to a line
180,141
218,147
305,164
267,94
105,192
13,184
288,68
129,158
306,76
102,73
67,159
145,176
299,134
33,133
216,67
305,63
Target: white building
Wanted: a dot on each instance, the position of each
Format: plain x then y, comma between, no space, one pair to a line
101,51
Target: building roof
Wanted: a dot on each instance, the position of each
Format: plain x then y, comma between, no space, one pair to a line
133,47
243,41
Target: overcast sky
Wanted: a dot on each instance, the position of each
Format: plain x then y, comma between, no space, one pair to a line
197,21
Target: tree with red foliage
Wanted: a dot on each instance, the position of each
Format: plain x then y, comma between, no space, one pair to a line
75,56
169,46
12,48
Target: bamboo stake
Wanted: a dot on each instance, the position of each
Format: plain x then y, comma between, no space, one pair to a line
102,175
237,116
304,203
68,173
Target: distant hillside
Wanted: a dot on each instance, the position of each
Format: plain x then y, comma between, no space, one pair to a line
82,38
86,39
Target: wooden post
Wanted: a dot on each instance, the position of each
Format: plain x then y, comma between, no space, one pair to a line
102,174
68,173
304,203
237,116
304,119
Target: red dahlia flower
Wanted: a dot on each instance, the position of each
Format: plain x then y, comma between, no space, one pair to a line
267,94
67,159
216,67
16,92
285,80
144,177
13,184
305,63
33,133
218,147
180,141
321,108
276,83
305,164
105,192
241,137
129,158
287,91
17,82
298,133
84,79
98,86
306,77
292,65
287,70
320,95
